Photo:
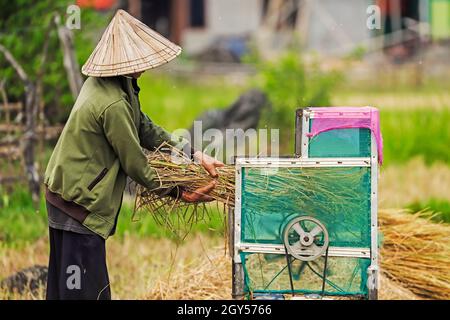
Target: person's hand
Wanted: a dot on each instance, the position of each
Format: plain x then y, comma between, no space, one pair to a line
209,163
199,194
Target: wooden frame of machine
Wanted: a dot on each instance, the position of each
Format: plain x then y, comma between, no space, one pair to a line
302,159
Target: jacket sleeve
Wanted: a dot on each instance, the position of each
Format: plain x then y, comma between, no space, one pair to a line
121,133
152,136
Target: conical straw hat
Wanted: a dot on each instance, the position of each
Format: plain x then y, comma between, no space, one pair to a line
128,46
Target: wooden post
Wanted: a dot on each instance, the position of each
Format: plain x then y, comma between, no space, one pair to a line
40,116
6,106
178,19
70,62
302,23
135,8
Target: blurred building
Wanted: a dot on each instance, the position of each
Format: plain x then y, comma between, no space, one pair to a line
197,24
223,28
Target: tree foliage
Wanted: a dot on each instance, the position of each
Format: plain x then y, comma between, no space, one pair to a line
23,26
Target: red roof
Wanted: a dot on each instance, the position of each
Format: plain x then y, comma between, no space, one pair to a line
97,4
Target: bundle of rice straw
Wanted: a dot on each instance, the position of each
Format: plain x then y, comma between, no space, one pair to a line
175,169
415,252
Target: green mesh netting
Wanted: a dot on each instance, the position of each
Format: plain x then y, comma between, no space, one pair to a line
266,273
339,197
341,143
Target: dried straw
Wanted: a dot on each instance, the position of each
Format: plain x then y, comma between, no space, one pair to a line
204,279
416,252
212,280
175,169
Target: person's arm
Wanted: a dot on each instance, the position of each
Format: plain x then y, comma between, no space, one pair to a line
152,136
122,135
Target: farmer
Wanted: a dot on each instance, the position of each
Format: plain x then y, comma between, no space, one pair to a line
100,146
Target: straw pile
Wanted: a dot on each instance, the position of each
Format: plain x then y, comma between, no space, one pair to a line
391,290
209,280
416,253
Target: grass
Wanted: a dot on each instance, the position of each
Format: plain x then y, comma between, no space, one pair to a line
21,224
416,132
439,206
413,122
144,225
19,221
174,103
392,100
400,185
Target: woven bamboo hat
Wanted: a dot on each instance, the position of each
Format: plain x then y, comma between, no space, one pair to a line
128,46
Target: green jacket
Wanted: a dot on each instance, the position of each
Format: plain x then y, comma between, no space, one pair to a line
100,146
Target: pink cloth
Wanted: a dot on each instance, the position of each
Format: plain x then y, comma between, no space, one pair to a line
329,118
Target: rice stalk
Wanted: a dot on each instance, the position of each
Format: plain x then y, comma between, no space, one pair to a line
174,170
416,252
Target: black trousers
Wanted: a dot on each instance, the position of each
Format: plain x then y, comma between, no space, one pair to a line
77,267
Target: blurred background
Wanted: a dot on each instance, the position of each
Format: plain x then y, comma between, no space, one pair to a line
262,59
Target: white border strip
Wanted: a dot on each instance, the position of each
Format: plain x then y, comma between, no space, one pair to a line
237,214
279,249
302,162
